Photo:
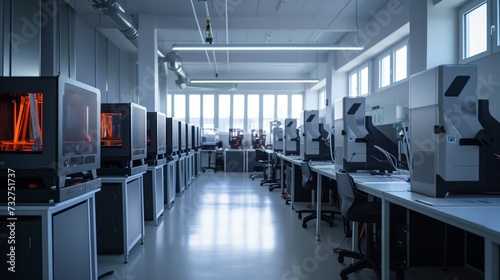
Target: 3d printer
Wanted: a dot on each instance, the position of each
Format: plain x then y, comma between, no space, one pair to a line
453,137
359,144
258,138
314,139
49,136
209,139
172,135
291,142
235,138
156,138
276,135
123,139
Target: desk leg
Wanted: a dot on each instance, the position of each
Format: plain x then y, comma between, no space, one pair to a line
385,239
491,256
318,207
282,176
292,182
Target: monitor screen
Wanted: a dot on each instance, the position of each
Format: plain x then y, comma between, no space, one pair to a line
111,129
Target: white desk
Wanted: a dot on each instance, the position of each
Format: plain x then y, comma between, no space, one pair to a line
476,214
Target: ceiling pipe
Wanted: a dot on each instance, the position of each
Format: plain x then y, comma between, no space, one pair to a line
116,13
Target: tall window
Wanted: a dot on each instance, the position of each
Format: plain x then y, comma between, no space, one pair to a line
385,71
475,29
238,110
267,110
282,107
393,65
297,107
208,111
359,82
224,111
194,109
253,111
401,63
179,107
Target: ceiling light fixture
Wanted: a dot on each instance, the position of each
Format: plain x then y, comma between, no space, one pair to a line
264,47
252,81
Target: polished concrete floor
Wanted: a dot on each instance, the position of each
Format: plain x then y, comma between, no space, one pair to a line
226,226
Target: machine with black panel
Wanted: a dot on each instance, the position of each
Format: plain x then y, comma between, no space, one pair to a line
314,139
123,139
291,139
276,135
235,138
49,137
156,138
453,136
359,144
182,137
172,135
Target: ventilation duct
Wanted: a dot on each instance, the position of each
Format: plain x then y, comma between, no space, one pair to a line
173,61
116,13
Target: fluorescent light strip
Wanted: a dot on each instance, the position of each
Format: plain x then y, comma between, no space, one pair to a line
252,81
264,47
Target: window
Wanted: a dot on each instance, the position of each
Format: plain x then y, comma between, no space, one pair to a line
363,81
353,84
194,109
297,108
179,107
359,83
267,110
224,112
385,71
400,63
393,65
475,24
208,111
253,112
238,111
282,107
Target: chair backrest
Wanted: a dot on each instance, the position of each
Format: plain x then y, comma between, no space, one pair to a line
260,155
308,181
347,193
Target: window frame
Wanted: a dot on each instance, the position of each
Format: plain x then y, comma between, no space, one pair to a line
357,71
469,6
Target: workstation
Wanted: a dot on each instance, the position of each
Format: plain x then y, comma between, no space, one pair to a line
157,140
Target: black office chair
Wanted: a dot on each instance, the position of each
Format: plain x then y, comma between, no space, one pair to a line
357,209
276,183
309,183
261,157
271,167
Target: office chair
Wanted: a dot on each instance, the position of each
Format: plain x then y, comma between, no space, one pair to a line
262,158
309,182
276,184
357,209
271,167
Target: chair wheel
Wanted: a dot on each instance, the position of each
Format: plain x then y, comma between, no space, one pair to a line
253,178
344,277
300,215
340,259
270,189
304,225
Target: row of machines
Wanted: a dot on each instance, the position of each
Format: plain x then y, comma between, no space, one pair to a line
58,143
450,144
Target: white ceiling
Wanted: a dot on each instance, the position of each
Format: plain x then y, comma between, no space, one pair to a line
249,22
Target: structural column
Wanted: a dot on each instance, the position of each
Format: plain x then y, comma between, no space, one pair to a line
148,89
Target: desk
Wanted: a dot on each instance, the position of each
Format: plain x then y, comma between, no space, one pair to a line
478,215
293,160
